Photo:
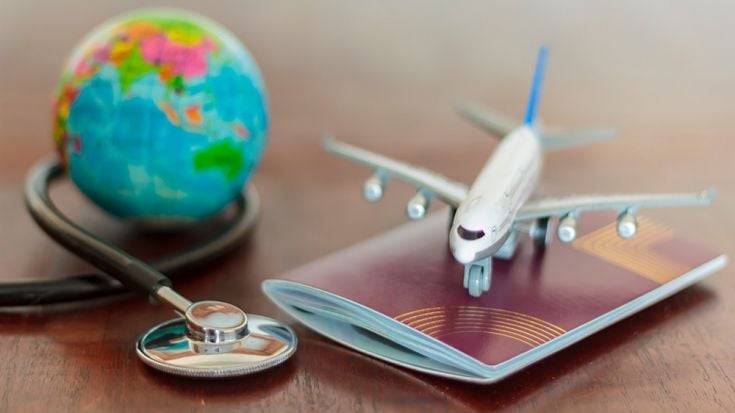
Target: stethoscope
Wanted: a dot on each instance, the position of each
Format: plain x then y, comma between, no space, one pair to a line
210,339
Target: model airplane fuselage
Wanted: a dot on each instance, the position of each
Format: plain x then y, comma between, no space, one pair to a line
497,208
484,220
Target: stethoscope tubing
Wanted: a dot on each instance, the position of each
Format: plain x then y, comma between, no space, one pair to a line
122,271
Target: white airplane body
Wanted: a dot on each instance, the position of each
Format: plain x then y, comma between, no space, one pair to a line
483,222
491,214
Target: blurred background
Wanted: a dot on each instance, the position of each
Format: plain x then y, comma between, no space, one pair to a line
386,75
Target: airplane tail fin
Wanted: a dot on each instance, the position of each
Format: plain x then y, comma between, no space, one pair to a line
538,80
501,126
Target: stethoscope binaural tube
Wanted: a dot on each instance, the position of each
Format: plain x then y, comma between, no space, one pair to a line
132,272
213,339
71,289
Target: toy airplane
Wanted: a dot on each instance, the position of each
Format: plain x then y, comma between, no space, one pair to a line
490,215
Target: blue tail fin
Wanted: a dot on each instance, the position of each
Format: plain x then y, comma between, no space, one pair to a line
538,80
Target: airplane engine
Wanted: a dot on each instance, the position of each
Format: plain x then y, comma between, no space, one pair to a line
627,225
567,230
373,188
417,206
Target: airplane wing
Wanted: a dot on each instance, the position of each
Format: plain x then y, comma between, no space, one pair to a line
451,192
561,140
577,203
491,122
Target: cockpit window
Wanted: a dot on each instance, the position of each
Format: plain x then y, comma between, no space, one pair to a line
469,235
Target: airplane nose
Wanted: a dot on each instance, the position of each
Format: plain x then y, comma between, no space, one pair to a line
461,251
463,255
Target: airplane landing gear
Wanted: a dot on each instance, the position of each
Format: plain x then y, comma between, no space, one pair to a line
540,233
477,276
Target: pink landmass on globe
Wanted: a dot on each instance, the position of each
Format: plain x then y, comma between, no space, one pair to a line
82,69
184,60
102,53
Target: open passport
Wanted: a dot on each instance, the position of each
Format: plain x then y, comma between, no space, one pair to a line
399,297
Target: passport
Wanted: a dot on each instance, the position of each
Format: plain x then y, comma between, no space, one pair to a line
399,297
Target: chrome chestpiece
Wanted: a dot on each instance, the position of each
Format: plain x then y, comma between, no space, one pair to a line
215,322
214,339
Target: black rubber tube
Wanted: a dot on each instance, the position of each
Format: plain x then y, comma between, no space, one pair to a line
121,269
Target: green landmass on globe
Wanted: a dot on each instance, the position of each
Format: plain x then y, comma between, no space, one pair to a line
161,117
220,155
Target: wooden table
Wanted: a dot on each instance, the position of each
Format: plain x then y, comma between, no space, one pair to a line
386,75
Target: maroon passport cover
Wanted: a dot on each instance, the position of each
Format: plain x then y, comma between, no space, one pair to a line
537,300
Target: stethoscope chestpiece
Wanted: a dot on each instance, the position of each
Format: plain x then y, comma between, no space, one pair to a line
216,339
215,322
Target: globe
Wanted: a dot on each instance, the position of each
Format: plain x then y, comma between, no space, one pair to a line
160,117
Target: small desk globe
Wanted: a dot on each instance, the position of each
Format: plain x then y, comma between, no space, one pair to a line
161,117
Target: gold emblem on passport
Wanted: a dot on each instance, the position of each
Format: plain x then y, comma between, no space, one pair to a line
637,254
442,321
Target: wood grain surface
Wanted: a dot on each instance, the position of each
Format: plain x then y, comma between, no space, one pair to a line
385,75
